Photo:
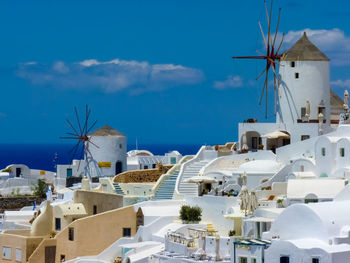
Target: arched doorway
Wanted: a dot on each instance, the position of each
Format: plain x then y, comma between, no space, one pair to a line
252,139
311,198
118,167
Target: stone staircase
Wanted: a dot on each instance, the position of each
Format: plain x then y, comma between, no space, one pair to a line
166,190
117,188
193,169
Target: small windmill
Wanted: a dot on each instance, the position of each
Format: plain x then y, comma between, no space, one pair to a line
80,134
271,56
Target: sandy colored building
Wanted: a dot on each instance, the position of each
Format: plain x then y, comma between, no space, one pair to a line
60,231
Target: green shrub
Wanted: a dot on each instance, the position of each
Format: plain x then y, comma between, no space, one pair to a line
184,211
190,214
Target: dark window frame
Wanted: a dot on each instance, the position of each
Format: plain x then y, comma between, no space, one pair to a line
71,233
126,232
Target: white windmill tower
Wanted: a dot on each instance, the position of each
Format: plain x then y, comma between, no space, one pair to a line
303,85
111,155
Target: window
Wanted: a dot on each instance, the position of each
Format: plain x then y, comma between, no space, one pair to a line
321,110
173,160
58,223
63,258
292,64
284,259
243,260
120,146
296,74
311,201
323,151
145,167
342,152
6,252
154,165
302,168
315,260
18,254
305,137
71,234
303,111
253,260
94,210
126,232
18,172
69,172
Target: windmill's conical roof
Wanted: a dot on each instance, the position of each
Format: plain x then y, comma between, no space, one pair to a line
106,131
304,50
336,101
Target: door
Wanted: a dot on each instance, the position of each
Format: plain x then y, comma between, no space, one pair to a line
255,143
18,172
118,167
50,254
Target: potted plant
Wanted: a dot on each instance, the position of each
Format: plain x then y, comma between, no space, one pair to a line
216,191
231,233
279,203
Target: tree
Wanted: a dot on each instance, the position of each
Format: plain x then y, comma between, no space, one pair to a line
40,188
190,214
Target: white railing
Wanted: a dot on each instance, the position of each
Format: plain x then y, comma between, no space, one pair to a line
170,172
198,157
280,176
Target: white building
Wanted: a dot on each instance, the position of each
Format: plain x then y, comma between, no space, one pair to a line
303,105
110,155
143,159
19,179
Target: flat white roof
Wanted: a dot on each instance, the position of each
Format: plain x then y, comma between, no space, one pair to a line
322,188
309,243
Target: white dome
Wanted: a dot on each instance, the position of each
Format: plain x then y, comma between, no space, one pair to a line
259,167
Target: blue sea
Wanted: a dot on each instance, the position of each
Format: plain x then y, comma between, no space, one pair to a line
42,156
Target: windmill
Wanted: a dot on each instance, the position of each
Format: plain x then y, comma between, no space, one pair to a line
271,57
79,133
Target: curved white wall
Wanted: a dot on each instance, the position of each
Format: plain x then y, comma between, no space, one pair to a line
325,164
343,161
111,149
312,84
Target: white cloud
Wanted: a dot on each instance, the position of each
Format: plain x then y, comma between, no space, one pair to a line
341,83
230,82
334,43
110,76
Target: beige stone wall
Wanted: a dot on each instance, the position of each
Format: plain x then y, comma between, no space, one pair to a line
38,256
103,201
92,235
142,176
25,243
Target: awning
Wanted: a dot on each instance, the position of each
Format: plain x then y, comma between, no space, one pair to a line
260,219
234,215
201,179
276,135
253,242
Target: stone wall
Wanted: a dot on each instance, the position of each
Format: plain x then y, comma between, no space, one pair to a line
17,202
142,176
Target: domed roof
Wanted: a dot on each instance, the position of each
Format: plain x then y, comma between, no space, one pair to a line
304,50
259,167
106,131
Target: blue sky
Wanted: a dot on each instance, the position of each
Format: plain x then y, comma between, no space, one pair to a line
160,71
